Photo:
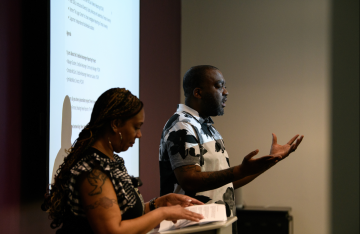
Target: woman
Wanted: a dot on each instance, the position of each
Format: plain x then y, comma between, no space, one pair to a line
93,192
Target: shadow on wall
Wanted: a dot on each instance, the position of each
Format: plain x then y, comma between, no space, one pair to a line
33,219
66,131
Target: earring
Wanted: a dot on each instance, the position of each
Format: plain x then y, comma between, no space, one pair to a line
120,135
109,141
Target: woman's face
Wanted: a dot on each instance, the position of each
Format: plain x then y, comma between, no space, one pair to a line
129,132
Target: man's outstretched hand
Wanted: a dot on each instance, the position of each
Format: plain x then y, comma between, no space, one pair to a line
251,165
285,150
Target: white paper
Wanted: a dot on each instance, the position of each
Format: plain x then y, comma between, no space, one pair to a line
211,213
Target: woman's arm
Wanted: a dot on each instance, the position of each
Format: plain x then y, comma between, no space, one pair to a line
100,203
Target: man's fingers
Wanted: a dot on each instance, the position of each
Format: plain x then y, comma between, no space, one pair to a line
298,141
274,140
293,139
293,147
251,154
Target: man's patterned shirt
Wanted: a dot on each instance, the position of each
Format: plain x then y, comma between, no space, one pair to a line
188,139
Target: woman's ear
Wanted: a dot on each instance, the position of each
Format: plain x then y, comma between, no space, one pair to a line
118,123
114,124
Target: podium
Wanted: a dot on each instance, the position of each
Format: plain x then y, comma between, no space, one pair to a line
223,227
264,220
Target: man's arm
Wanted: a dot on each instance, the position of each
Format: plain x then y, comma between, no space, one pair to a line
244,181
191,179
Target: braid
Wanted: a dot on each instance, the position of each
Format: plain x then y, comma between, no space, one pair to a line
116,103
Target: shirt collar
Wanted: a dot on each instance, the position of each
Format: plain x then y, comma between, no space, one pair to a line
184,108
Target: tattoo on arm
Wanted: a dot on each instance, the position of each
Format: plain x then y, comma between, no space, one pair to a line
97,179
104,202
217,177
205,180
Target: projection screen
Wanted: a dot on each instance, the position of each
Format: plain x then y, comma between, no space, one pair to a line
94,46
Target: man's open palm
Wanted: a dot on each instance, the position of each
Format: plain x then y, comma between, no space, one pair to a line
285,150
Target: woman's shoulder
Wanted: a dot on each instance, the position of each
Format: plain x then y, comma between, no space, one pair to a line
93,158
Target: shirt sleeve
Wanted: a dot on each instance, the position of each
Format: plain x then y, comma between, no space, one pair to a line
182,145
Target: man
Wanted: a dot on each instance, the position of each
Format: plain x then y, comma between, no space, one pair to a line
193,158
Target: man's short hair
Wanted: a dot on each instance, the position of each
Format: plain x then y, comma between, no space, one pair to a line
194,78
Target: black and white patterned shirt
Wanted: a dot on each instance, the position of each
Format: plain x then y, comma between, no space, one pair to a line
129,198
188,139
123,183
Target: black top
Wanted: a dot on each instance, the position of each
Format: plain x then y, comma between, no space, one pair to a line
129,198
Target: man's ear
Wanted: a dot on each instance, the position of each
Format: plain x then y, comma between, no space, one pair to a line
197,93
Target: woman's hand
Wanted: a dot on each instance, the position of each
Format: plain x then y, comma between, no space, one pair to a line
173,213
173,199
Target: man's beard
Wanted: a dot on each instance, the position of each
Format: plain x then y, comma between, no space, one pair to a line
212,107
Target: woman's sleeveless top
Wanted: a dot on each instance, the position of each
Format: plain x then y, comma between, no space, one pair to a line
129,198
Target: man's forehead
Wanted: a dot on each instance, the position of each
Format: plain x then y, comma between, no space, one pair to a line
215,76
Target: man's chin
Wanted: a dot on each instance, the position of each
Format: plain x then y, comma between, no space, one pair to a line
220,112
214,110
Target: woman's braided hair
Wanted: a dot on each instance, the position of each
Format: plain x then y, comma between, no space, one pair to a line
115,103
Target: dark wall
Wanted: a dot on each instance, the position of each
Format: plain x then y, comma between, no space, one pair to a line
159,82
10,115
345,117
23,103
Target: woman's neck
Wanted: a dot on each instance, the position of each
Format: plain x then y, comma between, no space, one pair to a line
105,147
